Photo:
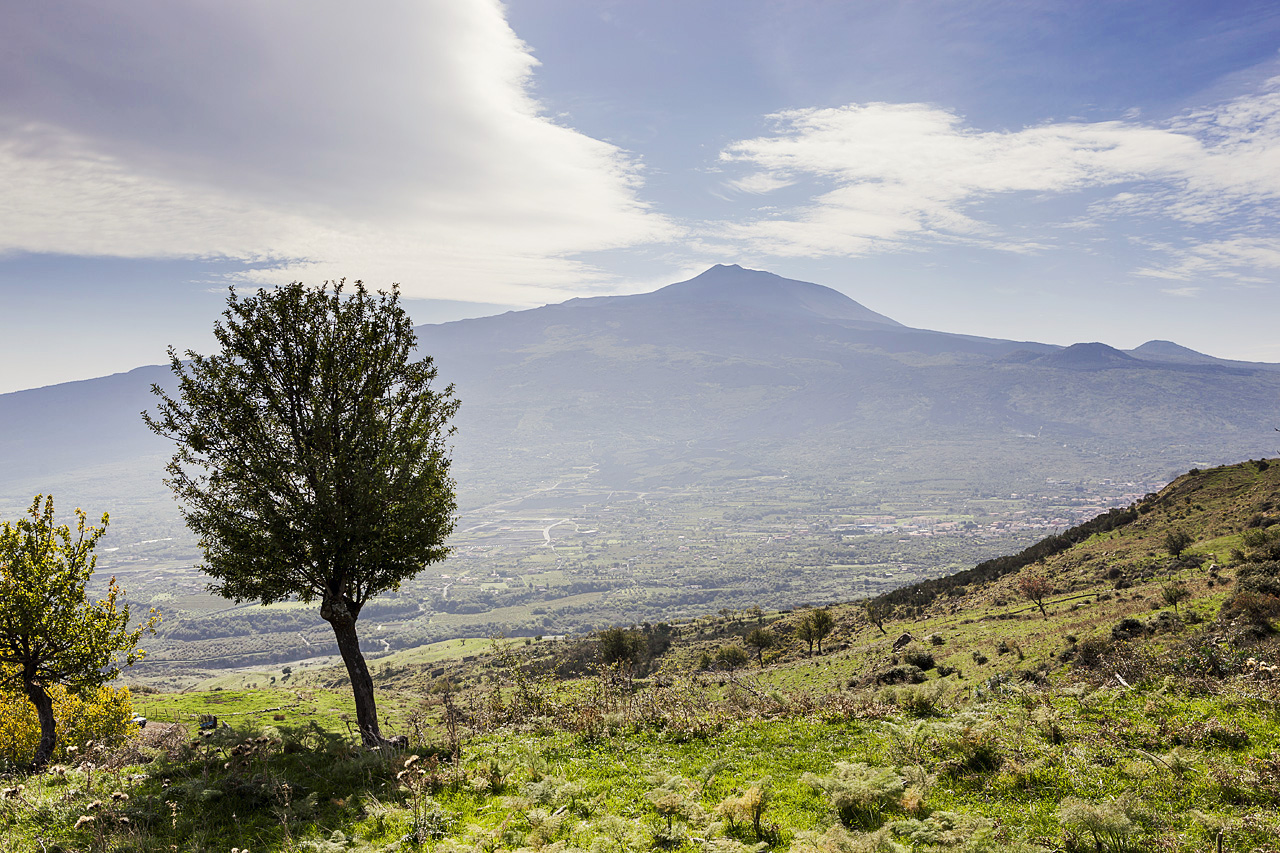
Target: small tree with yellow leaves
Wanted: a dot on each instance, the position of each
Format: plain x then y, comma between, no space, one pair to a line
50,631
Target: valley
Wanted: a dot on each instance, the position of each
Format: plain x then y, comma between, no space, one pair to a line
572,556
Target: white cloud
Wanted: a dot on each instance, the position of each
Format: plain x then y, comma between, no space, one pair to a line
888,177
394,141
1239,259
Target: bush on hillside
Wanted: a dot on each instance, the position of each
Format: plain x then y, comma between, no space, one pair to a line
1257,609
1260,577
918,657
861,795
103,716
904,673
1109,824
1127,629
1090,652
731,657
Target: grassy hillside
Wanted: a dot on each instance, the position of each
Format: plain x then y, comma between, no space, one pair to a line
1132,707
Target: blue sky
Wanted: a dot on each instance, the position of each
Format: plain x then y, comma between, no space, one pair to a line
1056,171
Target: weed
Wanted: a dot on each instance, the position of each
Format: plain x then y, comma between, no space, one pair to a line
861,794
1111,823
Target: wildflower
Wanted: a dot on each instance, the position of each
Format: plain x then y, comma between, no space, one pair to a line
85,820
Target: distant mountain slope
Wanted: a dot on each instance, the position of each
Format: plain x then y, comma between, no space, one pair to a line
46,432
1171,353
1092,356
735,373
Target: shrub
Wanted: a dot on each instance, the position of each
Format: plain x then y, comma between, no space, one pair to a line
901,674
1111,824
731,657
1254,537
919,658
1261,577
1254,608
103,715
1090,651
1174,594
924,700
860,794
1127,629
971,745
749,807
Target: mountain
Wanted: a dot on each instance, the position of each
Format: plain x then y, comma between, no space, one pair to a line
1168,352
749,362
741,364
732,439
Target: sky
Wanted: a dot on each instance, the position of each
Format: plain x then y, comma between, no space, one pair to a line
1050,170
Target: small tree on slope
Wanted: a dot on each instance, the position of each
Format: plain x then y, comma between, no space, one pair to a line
50,632
1035,588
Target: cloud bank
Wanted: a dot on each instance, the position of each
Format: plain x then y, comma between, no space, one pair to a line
397,141
402,142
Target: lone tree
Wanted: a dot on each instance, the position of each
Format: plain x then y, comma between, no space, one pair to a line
1174,594
822,622
1177,541
877,612
311,456
761,639
50,632
622,646
1035,588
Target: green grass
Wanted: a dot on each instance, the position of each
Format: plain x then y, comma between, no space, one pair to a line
1189,763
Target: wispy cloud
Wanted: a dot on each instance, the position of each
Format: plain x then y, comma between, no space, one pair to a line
892,177
1240,259
394,142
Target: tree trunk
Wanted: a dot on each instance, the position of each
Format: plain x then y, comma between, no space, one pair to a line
361,681
48,731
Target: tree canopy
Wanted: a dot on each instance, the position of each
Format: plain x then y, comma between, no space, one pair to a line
50,631
312,458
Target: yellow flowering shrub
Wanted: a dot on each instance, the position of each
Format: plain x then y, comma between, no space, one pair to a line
102,715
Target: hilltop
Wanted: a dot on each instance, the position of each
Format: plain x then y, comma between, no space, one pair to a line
1132,706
